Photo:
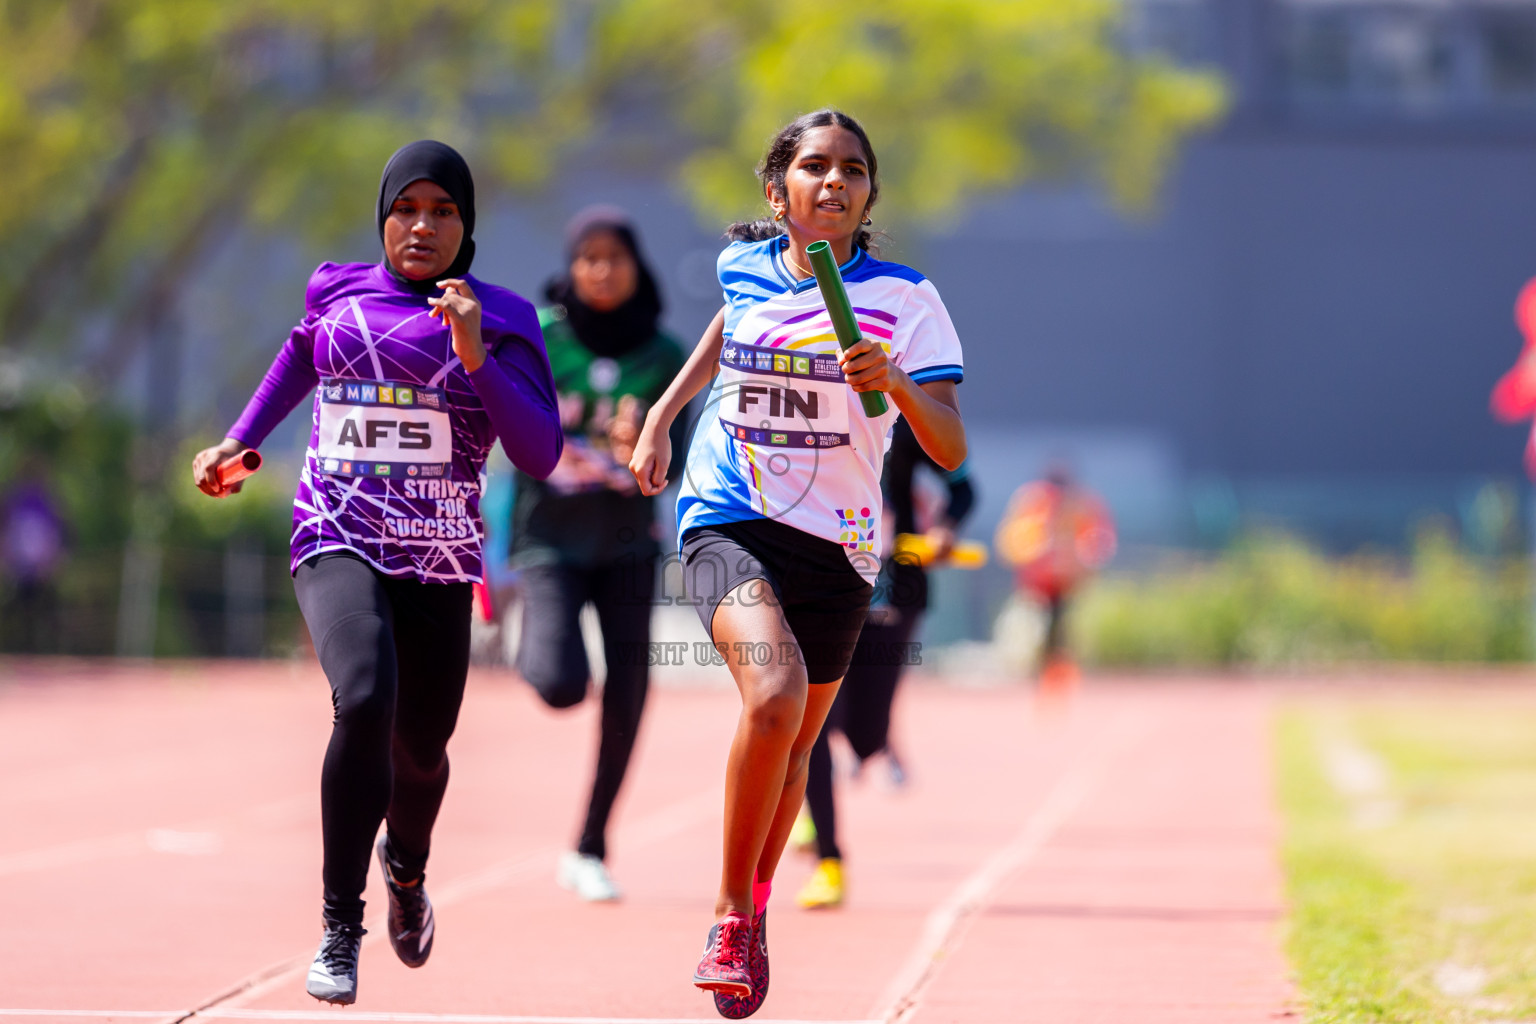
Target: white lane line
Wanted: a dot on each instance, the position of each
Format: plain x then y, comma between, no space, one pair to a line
82,851
149,840
654,828
946,924
103,1014
398,1018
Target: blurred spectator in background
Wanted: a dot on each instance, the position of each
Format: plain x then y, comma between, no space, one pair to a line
1055,534
32,540
1514,396
587,534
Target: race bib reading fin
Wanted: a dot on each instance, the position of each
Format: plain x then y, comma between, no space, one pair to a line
383,429
782,399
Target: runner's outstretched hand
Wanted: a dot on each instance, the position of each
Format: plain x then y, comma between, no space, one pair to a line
205,468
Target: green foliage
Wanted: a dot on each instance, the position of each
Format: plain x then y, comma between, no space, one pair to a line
146,131
81,452
961,97
140,133
1273,601
87,458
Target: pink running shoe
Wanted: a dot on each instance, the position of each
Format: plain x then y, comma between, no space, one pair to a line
737,1007
725,966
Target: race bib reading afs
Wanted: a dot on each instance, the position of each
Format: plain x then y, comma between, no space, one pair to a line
383,429
782,399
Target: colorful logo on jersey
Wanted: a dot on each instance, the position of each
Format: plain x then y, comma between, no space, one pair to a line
764,360
402,396
428,399
411,470
354,393
827,369
332,465
381,469
370,393
810,439
386,395
856,529
758,437
781,364
346,467
333,392
780,439
741,433
802,365
729,354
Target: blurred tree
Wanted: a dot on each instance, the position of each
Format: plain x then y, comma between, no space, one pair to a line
140,133
962,97
143,132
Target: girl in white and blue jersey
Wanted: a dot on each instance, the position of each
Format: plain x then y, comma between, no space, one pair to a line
779,513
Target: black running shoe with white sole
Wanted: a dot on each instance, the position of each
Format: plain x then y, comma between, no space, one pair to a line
410,914
333,975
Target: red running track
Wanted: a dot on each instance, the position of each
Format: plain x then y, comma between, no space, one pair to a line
1111,861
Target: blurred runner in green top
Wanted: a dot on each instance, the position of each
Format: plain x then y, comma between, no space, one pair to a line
610,360
587,534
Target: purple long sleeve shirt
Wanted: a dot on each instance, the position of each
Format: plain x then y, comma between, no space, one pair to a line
400,429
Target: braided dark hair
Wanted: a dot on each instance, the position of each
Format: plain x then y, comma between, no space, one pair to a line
781,153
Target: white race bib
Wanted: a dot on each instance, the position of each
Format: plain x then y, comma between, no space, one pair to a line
782,399
369,428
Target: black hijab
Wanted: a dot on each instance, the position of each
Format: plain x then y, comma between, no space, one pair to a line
632,323
444,167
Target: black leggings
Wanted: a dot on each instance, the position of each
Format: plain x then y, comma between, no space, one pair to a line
553,659
1055,643
861,712
396,653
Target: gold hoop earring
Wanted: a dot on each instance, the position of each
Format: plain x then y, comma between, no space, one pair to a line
778,215
866,221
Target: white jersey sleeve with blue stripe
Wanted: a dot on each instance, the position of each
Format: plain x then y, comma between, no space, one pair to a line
782,435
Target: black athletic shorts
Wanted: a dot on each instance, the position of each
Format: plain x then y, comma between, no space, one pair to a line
823,596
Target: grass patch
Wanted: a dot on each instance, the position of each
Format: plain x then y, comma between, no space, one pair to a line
1413,888
1271,600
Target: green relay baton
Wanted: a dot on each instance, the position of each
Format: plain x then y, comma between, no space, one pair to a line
844,323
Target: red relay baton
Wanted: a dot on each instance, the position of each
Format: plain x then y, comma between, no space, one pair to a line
484,602
239,467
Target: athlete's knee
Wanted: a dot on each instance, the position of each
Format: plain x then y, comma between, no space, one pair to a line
357,657
558,672
420,757
776,709
777,716
363,700
558,687
363,707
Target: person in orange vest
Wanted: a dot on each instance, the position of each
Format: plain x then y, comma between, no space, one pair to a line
1055,534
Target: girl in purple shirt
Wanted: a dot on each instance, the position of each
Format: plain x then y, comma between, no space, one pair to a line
415,369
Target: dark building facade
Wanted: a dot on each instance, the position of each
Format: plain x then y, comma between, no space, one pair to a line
1307,330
